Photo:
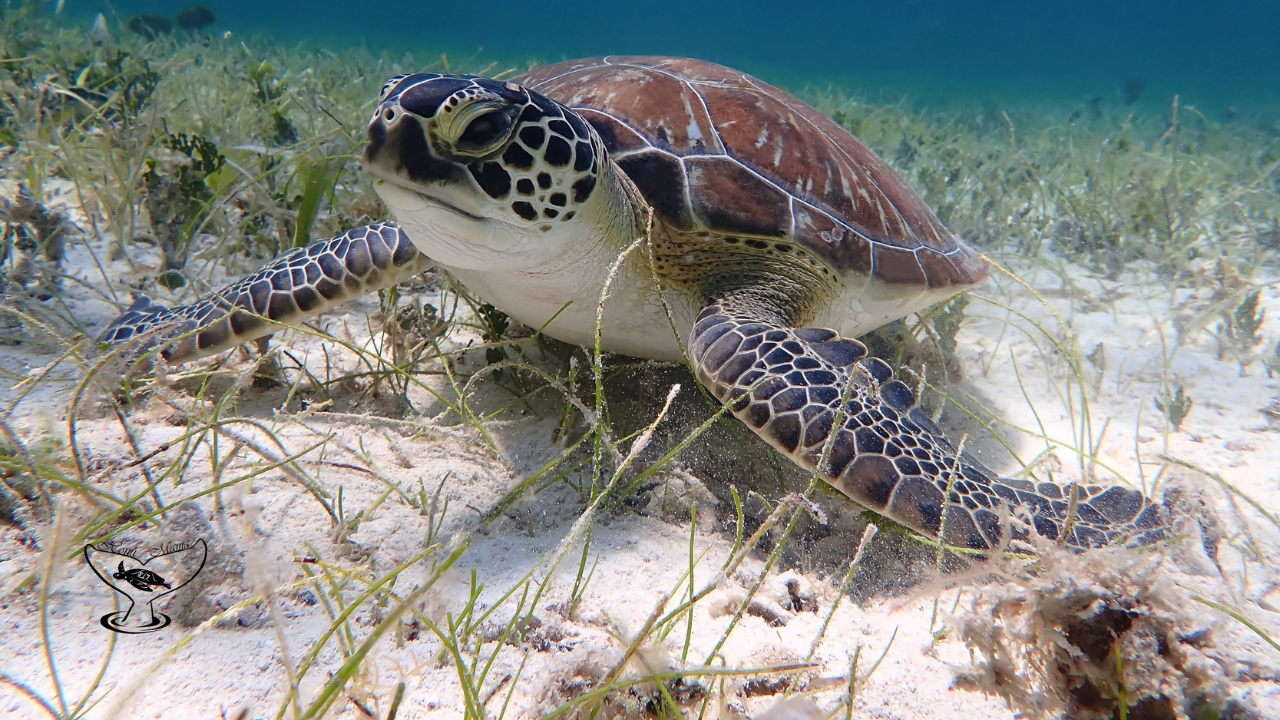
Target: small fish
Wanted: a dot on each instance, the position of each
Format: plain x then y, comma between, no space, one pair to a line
141,579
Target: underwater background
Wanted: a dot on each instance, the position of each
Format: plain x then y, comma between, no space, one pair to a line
1216,53
1118,161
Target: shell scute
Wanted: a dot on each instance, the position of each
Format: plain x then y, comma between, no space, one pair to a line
656,104
839,244
898,266
662,179
939,268
730,198
771,137
713,147
691,70
618,137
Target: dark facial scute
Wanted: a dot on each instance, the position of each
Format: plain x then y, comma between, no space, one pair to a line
583,157
558,153
493,179
551,161
389,86
517,157
531,115
533,136
579,126
583,188
524,210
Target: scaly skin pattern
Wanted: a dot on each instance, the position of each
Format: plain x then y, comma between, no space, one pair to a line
795,387
789,385
289,290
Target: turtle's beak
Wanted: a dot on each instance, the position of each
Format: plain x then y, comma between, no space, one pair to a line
398,151
403,152
399,155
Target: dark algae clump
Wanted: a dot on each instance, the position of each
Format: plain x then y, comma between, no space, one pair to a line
178,196
1132,91
195,18
150,26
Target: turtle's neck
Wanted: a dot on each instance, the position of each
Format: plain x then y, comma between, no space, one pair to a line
623,214
562,295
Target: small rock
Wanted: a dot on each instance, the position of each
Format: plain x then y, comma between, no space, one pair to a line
749,572
769,611
800,595
677,495
725,601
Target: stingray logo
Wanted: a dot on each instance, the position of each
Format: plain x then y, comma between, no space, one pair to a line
125,569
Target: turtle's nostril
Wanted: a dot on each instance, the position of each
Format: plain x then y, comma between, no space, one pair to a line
389,114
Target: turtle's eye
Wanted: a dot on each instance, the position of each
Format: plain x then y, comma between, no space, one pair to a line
485,131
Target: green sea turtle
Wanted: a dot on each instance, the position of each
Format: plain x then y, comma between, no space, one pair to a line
141,578
764,224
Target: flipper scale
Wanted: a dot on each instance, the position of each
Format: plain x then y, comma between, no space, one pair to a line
283,291
887,454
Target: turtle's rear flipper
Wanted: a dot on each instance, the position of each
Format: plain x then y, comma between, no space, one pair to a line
792,386
289,290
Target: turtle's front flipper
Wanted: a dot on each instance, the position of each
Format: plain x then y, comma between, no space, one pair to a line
888,455
290,289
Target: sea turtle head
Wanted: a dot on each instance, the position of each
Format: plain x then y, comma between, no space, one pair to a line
482,174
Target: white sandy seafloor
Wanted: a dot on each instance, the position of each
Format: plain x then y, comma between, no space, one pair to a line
260,534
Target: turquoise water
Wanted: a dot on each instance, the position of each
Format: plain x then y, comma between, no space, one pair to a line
1214,53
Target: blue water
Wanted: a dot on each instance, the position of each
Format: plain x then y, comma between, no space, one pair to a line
1218,52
